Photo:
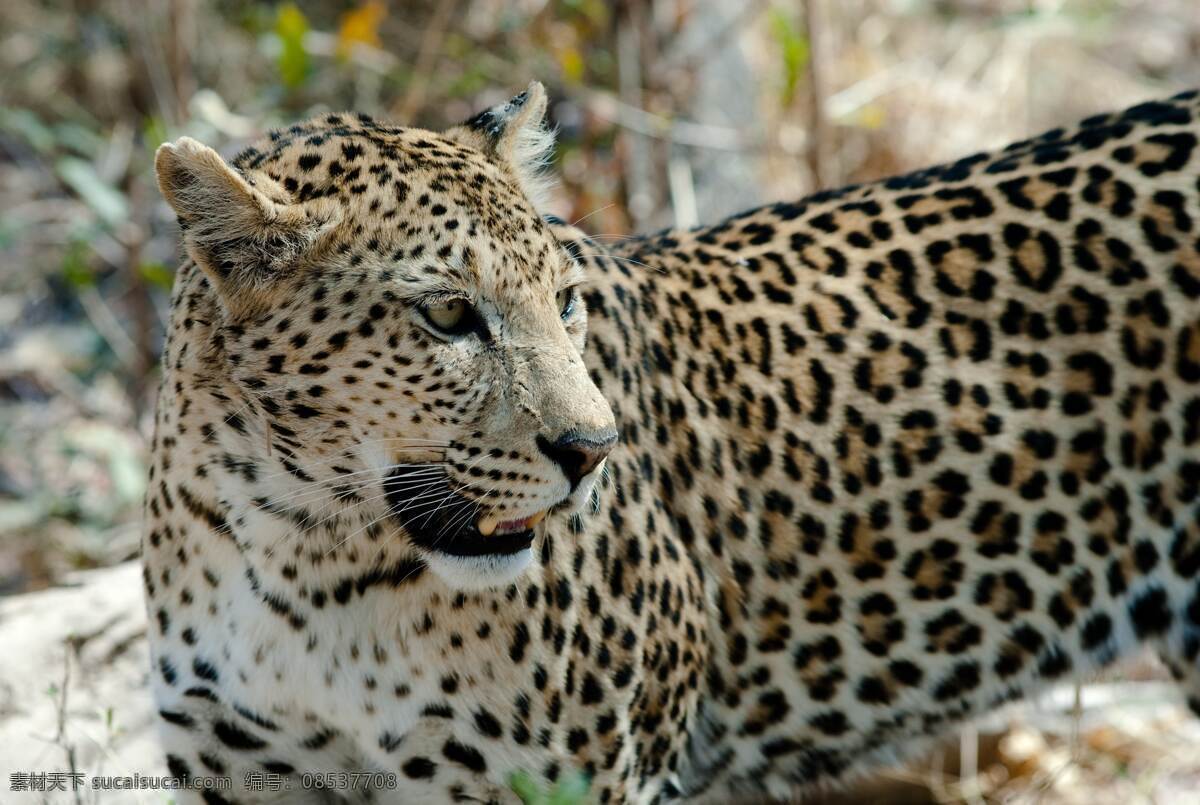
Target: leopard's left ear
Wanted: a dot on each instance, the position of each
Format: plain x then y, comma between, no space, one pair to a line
242,231
516,134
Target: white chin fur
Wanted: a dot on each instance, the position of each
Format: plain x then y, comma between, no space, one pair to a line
480,572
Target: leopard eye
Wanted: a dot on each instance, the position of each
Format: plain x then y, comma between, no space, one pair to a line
450,316
566,302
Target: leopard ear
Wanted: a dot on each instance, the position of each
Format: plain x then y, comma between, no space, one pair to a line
244,239
515,133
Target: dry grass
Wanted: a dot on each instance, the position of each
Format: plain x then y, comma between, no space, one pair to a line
1123,739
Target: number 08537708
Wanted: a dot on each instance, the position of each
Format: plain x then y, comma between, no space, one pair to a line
349,781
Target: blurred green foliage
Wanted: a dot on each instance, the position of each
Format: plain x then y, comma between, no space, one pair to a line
106,201
571,789
793,50
290,26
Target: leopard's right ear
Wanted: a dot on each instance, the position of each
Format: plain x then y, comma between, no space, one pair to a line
516,134
245,239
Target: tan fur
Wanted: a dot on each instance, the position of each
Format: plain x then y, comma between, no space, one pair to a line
889,456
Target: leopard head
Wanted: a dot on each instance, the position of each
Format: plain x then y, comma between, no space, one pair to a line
396,311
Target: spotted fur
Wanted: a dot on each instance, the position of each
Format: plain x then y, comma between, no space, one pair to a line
889,456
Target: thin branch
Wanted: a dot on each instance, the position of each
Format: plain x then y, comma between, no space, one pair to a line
638,165
607,106
179,43
422,68
683,192
61,737
689,59
819,152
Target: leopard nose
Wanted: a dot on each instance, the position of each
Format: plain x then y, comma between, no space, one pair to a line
578,453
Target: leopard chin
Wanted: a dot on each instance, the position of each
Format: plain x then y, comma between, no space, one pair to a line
483,572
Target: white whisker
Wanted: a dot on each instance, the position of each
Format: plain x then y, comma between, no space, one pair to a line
456,492
345,509
656,269
346,457
596,211
315,489
310,524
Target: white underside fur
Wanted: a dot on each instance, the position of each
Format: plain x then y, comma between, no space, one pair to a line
480,572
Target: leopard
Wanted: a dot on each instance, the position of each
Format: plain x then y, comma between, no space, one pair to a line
446,493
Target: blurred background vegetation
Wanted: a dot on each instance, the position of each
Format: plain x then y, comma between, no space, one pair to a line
669,112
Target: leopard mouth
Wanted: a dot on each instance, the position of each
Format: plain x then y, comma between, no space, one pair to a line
445,521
